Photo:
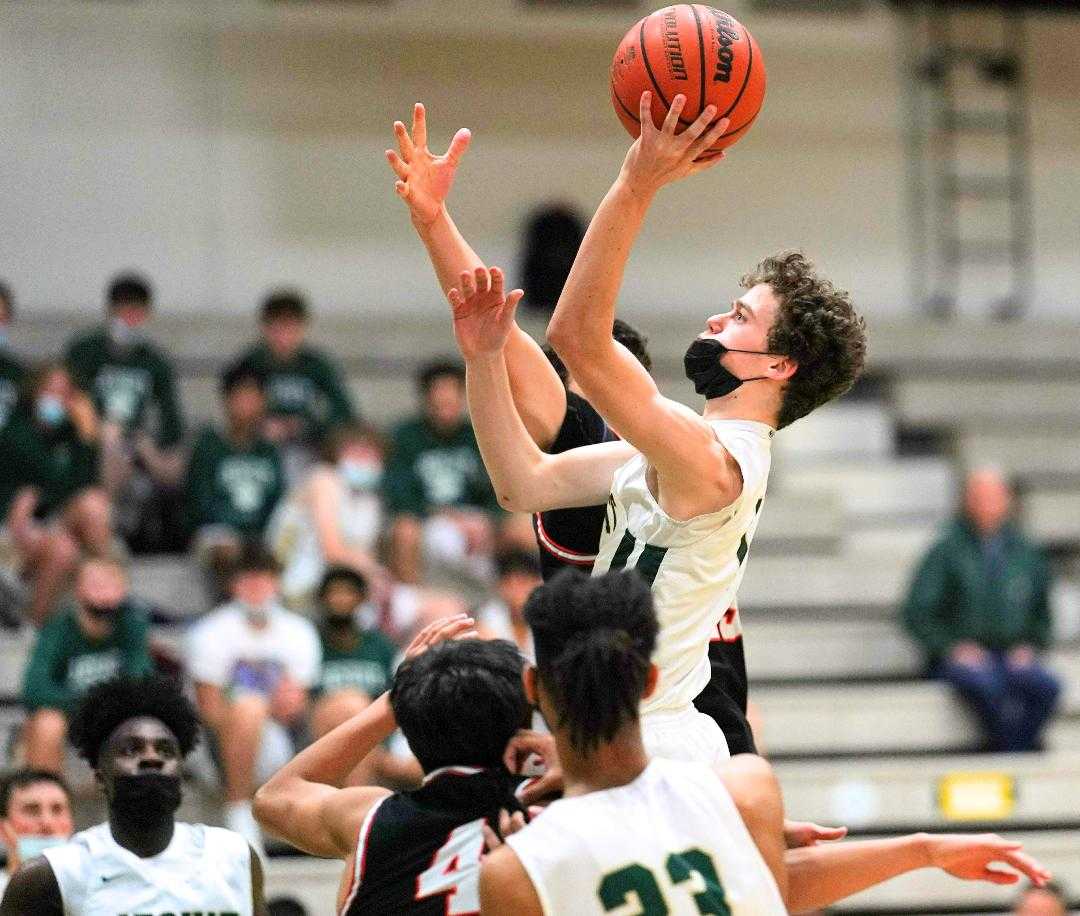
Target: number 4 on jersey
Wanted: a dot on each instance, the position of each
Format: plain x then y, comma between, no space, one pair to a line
455,870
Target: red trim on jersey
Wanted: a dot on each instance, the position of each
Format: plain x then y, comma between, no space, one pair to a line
728,618
557,550
452,771
360,858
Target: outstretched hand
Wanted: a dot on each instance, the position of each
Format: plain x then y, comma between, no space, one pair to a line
659,155
970,858
483,312
424,179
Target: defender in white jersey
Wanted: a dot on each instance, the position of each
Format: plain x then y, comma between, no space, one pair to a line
135,734
671,837
685,508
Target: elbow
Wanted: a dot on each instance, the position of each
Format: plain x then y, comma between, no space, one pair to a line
562,338
266,806
513,502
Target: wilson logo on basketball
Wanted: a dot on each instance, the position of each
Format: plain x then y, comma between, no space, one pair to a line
725,35
672,48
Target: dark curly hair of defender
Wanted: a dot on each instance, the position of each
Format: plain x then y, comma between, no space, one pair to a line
108,705
817,326
594,638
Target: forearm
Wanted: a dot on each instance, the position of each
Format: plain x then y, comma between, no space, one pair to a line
331,759
510,455
585,313
450,254
538,392
819,876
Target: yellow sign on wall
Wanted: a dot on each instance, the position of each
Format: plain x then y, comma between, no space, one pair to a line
977,796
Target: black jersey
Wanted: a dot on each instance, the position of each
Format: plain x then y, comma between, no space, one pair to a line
724,697
571,537
418,853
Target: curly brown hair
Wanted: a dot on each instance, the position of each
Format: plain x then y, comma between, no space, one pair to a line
817,326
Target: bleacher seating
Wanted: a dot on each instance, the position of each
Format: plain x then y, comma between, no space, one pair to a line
858,736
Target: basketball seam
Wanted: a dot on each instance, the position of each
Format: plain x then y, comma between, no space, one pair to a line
648,69
749,70
701,54
622,104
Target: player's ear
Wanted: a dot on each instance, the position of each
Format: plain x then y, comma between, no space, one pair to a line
652,676
784,368
528,679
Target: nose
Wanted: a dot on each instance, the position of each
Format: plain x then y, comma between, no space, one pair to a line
714,324
151,760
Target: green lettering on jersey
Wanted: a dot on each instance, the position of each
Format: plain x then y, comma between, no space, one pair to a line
618,887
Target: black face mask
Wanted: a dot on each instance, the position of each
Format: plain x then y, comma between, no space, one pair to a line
703,367
146,799
102,612
340,623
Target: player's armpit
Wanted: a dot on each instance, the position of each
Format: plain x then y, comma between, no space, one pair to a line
33,889
505,886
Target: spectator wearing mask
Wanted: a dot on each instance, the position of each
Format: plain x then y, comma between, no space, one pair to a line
436,488
518,574
12,369
334,518
132,383
49,498
235,477
358,662
306,396
978,606
254,664
104,633
35,814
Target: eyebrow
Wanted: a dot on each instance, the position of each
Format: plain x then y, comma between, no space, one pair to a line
745,307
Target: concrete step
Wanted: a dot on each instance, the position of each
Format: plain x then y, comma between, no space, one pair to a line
1052,516
1036,451
962,401
901,490
904,794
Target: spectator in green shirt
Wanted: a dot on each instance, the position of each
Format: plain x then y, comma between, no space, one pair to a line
435,484
102,635
358,662
49,498
235,477
12,370
979,608
306,396
133,386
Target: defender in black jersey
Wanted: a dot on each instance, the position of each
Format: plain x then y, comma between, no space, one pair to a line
416,853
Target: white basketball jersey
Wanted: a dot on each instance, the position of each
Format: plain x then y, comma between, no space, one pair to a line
205,870
671,841
694,567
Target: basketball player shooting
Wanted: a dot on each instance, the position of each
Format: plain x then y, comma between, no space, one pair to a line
684,490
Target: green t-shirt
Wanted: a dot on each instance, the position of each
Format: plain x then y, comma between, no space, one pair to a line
233,486
12,377
133,386
64,663
367,665
428,471
309,385
57,462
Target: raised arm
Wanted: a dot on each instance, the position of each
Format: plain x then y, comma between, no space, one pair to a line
424,181
674,438
819,876
305,802
525,479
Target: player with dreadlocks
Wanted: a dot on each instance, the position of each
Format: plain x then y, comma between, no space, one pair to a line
135,735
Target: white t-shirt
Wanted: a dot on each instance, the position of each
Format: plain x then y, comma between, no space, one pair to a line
202,870
225,649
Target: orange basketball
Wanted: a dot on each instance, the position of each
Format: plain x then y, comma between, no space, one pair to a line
698,51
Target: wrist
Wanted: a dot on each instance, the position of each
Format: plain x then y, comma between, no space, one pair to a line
426,226
923,849
634,189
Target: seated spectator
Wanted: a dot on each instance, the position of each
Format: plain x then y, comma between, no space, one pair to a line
334,518
1048,900
253,664
49,498
978,606
518,573
235,477
133,387
306,395
35,813
12,370
358,661
102,634
436,487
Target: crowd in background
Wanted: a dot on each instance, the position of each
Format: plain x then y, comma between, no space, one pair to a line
323,542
